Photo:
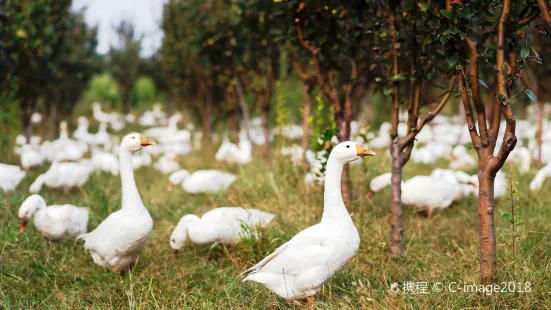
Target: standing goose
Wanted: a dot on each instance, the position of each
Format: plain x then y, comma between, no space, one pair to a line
120,238
298,268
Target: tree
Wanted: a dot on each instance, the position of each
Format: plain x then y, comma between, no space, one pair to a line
473,42
30,32
124,60
332,36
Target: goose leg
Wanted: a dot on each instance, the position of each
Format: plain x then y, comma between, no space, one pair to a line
429,213
114,268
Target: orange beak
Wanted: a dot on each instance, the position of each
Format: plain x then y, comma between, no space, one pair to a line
22,224
362,151
144,142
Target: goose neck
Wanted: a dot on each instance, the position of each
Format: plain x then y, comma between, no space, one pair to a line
334,207
130,195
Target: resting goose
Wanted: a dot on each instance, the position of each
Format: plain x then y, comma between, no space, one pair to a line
10,177
63,176
232,153
118,241
167,164
298,268
226,225
31,156
55,221
202,181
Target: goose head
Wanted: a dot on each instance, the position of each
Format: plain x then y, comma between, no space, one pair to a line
180,234
28,208
349,151
134,142
63,126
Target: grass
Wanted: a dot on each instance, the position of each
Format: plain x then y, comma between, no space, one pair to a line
39,274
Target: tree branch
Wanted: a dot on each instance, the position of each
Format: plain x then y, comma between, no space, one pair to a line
475,92
501,93
534,13
428,117
395,99
305,44
544,8
468,110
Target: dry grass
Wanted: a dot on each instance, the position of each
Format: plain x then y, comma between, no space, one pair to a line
40,274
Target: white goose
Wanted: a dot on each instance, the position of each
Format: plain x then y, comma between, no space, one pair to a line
65,148
63,176
120,238
298,268
232,153
226,225
55,221
540,177
31,156
167,164
10,177
202,181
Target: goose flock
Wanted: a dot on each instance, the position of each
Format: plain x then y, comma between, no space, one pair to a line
299,267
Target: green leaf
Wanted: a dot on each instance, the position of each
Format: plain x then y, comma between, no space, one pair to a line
449,15
399,77
524,52
387,91
423,6
530,95
483,83
507,217
502,97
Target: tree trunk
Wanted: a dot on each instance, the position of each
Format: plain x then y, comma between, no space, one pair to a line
244,109
488,260
266,130
172,103
233,124
396,214
306,89
26,118
52,120
126,101
539,139
207,118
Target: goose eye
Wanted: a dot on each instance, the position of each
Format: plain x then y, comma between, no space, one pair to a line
348,146
173,240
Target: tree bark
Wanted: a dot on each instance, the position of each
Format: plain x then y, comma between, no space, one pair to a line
306,90
52,119
541,112
266,129
26,118
396,214
243,106
488,259
207,118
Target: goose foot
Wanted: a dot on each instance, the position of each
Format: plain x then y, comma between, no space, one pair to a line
310,301
133,264
114,268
